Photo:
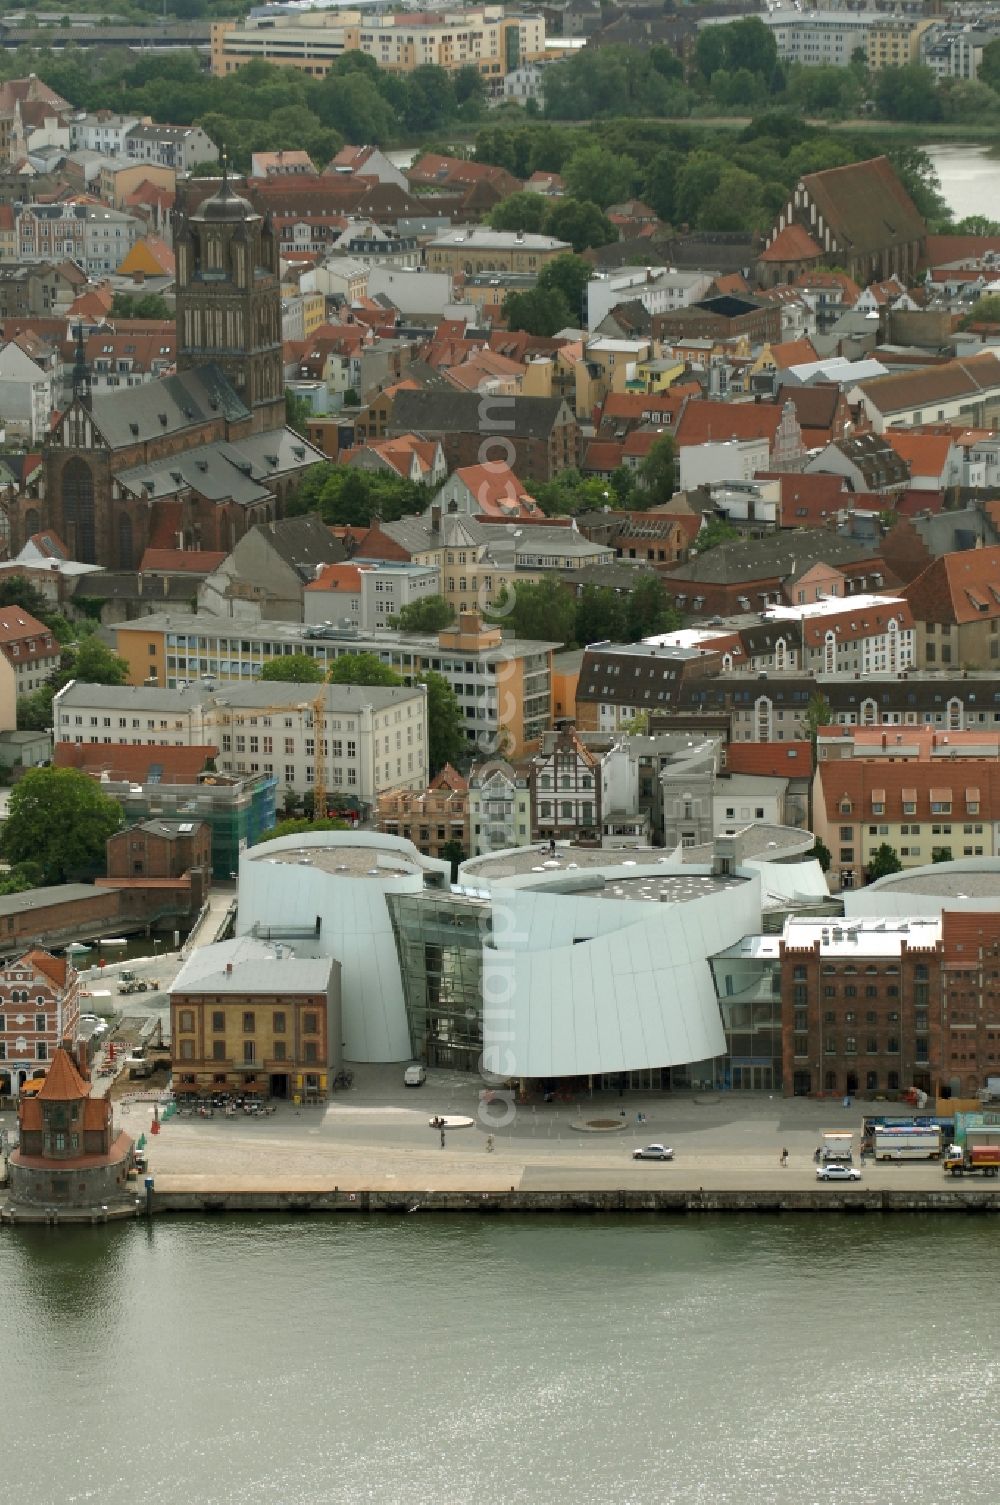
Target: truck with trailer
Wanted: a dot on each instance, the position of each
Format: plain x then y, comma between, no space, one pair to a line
907,1142
973,1160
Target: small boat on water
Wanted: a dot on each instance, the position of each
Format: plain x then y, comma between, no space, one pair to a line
78,949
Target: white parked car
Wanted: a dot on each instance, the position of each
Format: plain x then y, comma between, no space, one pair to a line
653,1152
838,1172
414,1076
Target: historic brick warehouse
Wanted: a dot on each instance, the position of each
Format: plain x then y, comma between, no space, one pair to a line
195,459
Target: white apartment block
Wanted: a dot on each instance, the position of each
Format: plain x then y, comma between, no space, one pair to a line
372,738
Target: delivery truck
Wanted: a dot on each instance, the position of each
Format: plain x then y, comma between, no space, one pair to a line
973,1160
907,1142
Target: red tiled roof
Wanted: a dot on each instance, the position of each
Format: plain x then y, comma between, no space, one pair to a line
63,1082
865,782
793,243
810,501
18,627
120,761
337,577
602,455
793,353
52,967
497,490
958,588
770,759
707,421
926,454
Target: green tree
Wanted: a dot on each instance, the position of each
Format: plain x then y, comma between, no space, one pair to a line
302,825
714,530
539,312
60,819
298,411
428,615
983,311
649,609
989,65
362,669
657,470
544,611
140,306
907,93
520,211
567,275
293,669
93,663
941,854
883,861
446,740
818,713
582,224
593,173
600,615
455,853
822,854
16,590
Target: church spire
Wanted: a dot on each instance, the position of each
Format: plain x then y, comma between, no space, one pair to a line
81,371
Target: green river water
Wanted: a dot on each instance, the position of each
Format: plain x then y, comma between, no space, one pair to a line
442,1361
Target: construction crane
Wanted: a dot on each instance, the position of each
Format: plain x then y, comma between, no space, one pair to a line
317,708
319,763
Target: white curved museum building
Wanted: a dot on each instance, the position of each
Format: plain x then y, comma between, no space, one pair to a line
543,965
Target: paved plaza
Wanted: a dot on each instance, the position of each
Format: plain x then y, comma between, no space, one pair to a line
377,1136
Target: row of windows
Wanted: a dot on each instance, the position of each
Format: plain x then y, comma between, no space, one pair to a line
279,1022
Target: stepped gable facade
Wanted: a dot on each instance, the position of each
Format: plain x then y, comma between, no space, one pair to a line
859,217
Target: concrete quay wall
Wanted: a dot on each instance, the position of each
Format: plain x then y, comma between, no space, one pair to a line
593,1203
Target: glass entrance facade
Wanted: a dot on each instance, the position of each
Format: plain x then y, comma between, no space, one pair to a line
440,940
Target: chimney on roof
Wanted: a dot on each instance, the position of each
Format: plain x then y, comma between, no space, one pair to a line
436,518
229,969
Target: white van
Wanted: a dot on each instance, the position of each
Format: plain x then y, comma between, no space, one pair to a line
414,1076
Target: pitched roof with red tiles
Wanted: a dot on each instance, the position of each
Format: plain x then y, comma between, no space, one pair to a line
943,250
63,1082
810,501
863,783
343,578
95,303
770,759
20,630
602,456
926,454
497,491
793,353
958,588
449,778
793,243
120,761
823,279
715,422
52,967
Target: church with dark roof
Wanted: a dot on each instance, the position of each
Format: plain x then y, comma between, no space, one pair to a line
195,459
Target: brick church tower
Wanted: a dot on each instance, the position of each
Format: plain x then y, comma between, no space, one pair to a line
229,301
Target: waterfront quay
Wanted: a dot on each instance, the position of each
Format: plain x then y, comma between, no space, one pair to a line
373,1148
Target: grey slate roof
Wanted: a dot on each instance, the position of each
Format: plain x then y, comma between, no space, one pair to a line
186,400
770,558
224,470
303,543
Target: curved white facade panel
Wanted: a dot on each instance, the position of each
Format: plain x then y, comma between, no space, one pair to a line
355,926
580,986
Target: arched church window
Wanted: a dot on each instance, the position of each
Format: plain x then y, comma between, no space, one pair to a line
78,510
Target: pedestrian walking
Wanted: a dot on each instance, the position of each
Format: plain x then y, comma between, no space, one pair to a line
489,1144
442,1139
784,1157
